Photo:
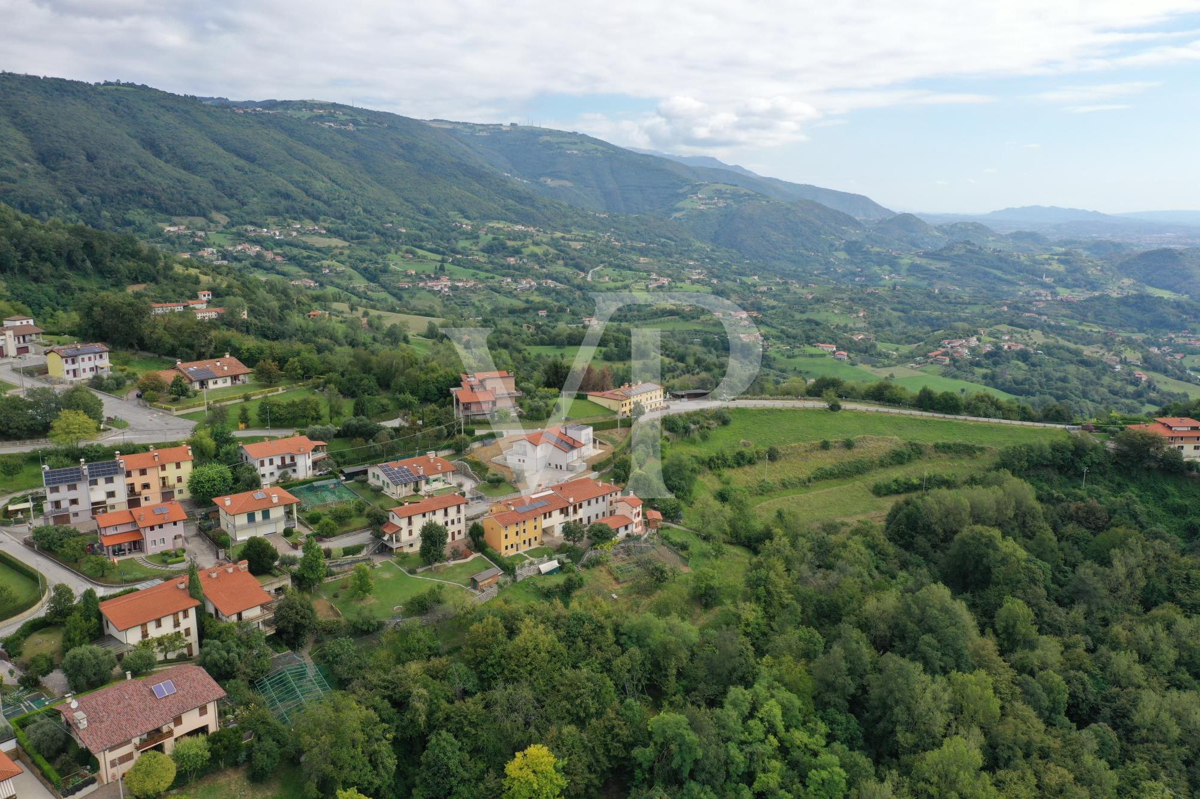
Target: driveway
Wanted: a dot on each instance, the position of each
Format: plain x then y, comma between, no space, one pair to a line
28,786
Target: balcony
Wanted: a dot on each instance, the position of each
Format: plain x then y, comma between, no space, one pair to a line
155,739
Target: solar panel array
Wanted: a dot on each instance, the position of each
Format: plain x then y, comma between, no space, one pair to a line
103,469
566,443
57,477
200,373
164,689
644,388
541,503
86,349
260,495
399,475
162,511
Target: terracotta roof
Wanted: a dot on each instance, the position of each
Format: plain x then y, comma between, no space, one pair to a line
583,489
627,392
127,709
427,505
1178,421
232,588
259,498
653,515
293,445
631,501
24,330
120,538
148,604
616,521
485,375
390,528
17,318
156,457
162,513
8,769
114,519
467,395
431,466
212,368
555,437
1164,431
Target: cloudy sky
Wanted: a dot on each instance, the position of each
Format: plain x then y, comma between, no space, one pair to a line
935,105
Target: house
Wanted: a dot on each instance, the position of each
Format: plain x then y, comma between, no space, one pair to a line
841,355
9,771
292,458
120,723
79,493
144,530
259,512
210,373
519,524
18,336
827,348
556,449
208,313
482,393
1181,432
157,476
624,399
205,295
401,478
621,524
233,594
631,508
403,529
76,362
160,308
154,612
514,529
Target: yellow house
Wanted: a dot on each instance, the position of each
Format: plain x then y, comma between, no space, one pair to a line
624,399
157,476
75,362
512,531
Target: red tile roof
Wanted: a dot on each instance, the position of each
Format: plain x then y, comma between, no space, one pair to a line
8,769
631,501
143,517
125,710
148,604
616,522
232,588
1164,431
427,505
583,489
120,538
293,445
259,498
555,437
114,519
467,395
653,515
155,457
428,465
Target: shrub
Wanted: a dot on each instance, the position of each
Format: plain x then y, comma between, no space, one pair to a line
140,661
47,738
425,601
151,775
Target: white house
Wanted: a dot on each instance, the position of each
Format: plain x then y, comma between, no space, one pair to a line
401,478
292,458
152,613
260,512
233,594
557,450
403,530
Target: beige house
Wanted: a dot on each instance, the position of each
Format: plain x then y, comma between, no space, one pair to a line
120,723
291,458
263,511
401,478
623,400
152,613
233,594
403,530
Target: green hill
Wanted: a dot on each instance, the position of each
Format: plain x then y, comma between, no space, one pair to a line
1171,269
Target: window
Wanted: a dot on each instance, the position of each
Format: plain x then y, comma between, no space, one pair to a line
204,710
158,624
250,516
178,721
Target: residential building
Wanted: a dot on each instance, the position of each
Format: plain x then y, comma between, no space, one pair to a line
519,524
208,313
9,771
514,530
79,493
157,476
18,336
1180,432
401,478
624,399
120,723
261,512
483,393
233,594
292,458
144,530
403,529
154,612
209,374
77,362
630,507
555,450
621,524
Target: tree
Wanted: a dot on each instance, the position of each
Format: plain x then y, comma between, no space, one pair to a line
151,775
152,383
361,582
327,527
831,400
61,603
191,754
954,770
260,555
209,481
47,738
88,667
600,533
203,446
140,661
344,745
225,746
244,415
533,774
433,543
573,531
79,630
195,587
312,569
476,533
444,769
179,387
295,619
84,400
350,793
71,427
267,372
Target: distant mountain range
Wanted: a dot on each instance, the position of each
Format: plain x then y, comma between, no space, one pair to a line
1145,228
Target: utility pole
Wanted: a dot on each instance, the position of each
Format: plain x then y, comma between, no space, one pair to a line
1085,471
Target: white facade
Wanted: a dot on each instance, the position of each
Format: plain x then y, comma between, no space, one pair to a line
403,531
264,522
557,451
183,622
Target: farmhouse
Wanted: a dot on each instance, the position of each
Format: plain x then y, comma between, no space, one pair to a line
208,374
623,400
148,529
292,458
403,529
519,524
411,475
262,512
154,612
120,723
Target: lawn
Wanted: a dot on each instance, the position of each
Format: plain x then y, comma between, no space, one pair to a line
586,409
232,783
915,379
227,393
251,405
460,573
415,324
372,495
392,588
500,490
764,427
814,366
48,641
29,477
25,591
140,363
127,570
6,387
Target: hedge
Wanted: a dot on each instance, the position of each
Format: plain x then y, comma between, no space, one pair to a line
20,567
43,765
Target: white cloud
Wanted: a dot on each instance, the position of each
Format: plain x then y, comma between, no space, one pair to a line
1096,92
1091,109
719,74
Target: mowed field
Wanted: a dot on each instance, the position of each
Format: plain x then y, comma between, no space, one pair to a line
415,324
915,379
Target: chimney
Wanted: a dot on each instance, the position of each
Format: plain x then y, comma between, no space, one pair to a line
274,499
243,565
46,468
181,585
227,355
189,449
421,471
228,502
80,719
213,575
229,569
178,362
82,462
128,675
430,454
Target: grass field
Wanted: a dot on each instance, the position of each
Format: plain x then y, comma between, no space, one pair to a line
460,573
392,588
915,379
6,387
814,366
141,363
586,409
232,783
414,323
252,406
29,477
48,641
25,592
1171,384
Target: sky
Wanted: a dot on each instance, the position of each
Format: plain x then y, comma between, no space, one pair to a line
923,105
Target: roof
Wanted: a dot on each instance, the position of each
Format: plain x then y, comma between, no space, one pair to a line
616,521
292,445
24,330
75,350
653,515
17,318
1164,431
465,394
232,588
583,489
58,477
627,392
631,501
227,366
1177,421
162,513
485,375
525,508
555,437
156,457
413,470
148,604
121,712
487,574
120,538
428,505
250,501
8,769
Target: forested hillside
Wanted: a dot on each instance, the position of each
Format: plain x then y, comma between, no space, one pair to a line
1171,269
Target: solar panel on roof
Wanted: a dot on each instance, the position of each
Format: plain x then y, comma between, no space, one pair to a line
55,477
399,475
541,503
201,373
260,495
103,469
164,689
162,511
